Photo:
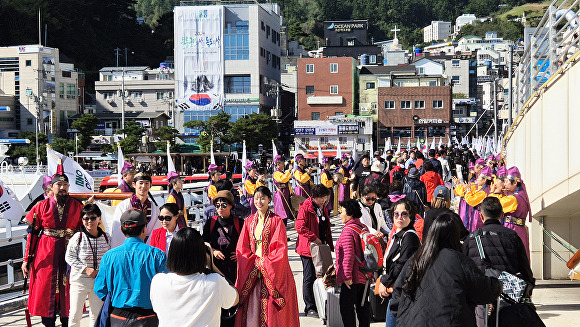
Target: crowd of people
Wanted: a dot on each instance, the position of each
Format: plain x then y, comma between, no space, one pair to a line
151,269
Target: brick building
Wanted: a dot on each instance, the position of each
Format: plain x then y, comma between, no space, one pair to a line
326,87
415,112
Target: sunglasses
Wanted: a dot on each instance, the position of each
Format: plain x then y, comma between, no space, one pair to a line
166,218
222,205
403,214
92,218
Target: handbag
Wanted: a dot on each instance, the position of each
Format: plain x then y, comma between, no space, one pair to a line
514,288
329,279
321,258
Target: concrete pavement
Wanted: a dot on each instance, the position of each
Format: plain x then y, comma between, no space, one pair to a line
557,301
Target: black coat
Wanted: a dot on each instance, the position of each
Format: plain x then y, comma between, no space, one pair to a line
430,217
503,248
449,291
404,244
415,190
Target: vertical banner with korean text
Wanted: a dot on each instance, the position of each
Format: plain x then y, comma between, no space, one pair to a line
199,61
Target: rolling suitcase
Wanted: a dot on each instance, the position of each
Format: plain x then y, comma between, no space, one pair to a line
333,317
320,297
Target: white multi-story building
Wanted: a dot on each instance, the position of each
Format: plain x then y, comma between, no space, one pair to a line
43,87
471,43
251,60
438,30
134,89
463,20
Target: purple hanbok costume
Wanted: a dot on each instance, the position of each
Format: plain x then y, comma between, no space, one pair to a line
516,220
282,199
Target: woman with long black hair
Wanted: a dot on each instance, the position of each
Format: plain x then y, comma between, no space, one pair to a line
440,285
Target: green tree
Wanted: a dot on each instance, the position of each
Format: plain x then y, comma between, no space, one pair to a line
63,145
133,133
29,150
255,129
216,128
167,133
86,126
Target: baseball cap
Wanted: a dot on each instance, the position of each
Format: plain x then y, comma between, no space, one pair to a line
133,218
442,192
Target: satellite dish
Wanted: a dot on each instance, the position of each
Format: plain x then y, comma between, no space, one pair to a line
22,161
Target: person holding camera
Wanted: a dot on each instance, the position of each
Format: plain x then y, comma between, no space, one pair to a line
126,272
190,294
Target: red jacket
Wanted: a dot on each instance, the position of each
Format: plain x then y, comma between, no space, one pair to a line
158,238
347,247
431,180
306,225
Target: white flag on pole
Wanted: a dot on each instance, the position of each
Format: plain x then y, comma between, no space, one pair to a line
10,207
212,159
354,150
338,151
80,181
244,159
432,144
170,164
274,151
320,156
408,144
120,164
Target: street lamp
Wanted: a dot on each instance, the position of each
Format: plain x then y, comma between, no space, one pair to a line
38,101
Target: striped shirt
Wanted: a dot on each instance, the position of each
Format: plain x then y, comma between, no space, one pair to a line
80,255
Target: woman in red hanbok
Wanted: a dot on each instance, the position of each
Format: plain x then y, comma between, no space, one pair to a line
265,282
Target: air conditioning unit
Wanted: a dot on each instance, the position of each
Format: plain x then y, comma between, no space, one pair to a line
110,100
139,100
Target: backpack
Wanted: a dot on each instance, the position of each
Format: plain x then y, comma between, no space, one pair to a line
372,260
214,220
398,175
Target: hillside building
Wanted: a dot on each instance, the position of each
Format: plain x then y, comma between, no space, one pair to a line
438,30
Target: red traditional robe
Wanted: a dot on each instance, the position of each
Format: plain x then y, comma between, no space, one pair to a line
271,274
49,284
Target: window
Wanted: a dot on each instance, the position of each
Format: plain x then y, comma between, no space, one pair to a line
370,85
455,80
334,89
61,90
406,104
263,25
334,68
237,41
108,95
432,83
419,131
267,31
28,63
459,111
29,121
66,74
385,132
421,70
372,59
389,104
338,113
137,94
71,91
315,116
401,131
238,84
437,104
309,68
455,63
400,83
342,139
309,89
436,131
160,95
419,104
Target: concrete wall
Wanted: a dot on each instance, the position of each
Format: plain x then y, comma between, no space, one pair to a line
544,146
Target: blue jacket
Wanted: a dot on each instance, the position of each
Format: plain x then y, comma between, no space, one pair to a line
126,272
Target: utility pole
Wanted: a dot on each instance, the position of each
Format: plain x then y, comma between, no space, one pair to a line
495,107
510,76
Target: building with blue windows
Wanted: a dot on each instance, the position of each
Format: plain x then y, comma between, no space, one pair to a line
251,63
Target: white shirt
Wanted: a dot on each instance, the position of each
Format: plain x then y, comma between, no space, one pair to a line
117,236
192,300
367,220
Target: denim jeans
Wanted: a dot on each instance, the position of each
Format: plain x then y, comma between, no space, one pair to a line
390,320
